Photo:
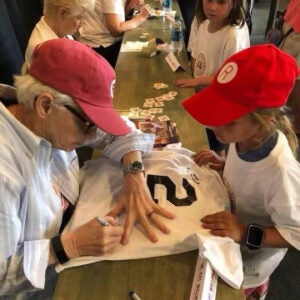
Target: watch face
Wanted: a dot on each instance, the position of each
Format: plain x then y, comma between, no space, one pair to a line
136,166
254,236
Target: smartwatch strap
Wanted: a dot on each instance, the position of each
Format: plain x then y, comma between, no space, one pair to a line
59,249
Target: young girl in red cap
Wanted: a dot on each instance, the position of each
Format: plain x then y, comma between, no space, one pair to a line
218,31
244,106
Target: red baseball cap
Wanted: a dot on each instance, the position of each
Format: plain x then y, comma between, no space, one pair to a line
78,71
261,76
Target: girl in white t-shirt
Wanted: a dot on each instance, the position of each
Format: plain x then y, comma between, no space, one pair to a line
218,31
245,109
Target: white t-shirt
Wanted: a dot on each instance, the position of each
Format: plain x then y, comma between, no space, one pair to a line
179,185
267,192
210,50
93,31
41,33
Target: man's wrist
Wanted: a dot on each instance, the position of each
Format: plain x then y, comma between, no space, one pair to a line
59,250
134,167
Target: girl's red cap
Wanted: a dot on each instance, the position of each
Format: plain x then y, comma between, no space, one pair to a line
261,76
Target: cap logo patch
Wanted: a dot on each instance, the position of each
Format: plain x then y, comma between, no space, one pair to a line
227,73
112,88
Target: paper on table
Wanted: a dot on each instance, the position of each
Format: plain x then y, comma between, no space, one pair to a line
160,13
133,46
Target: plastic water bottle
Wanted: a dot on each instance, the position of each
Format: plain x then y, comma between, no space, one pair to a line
177,35
167,6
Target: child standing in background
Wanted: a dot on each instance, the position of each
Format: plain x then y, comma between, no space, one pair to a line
291,45
218,31
245,108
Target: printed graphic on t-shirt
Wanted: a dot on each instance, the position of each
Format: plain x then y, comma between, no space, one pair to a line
200,65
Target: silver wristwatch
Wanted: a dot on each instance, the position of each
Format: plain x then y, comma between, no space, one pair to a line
134,166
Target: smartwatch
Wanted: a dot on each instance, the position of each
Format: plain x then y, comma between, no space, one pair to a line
134,166
254,236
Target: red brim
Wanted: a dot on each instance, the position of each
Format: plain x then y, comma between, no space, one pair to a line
211,108
106,118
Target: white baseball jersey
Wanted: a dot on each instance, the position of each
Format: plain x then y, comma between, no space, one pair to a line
174,180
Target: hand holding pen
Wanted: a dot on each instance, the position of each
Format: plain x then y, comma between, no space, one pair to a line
97,237
103,222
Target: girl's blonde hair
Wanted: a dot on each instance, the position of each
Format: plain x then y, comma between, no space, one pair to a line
237,15
73,6
281,121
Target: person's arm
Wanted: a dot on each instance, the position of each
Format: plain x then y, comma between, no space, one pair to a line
273,239
194,82
17,254
91,239
227,225
135,198
117,27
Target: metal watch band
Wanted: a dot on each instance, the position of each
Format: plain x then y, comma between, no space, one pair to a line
59,249
134,167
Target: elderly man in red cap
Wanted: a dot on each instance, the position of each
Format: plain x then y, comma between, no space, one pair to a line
64,102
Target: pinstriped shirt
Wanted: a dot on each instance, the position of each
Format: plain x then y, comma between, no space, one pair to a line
30,209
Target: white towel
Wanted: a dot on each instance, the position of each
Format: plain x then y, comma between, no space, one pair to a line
225,257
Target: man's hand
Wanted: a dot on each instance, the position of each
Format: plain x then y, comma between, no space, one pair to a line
92,239
135,198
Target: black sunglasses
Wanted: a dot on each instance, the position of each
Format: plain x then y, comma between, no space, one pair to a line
89,126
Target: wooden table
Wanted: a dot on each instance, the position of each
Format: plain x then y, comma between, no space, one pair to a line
137,74
167,277
159,278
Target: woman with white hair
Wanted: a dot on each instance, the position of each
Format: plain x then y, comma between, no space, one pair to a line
62,18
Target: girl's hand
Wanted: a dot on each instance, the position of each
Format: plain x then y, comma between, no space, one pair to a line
186,82
211,158
224,224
